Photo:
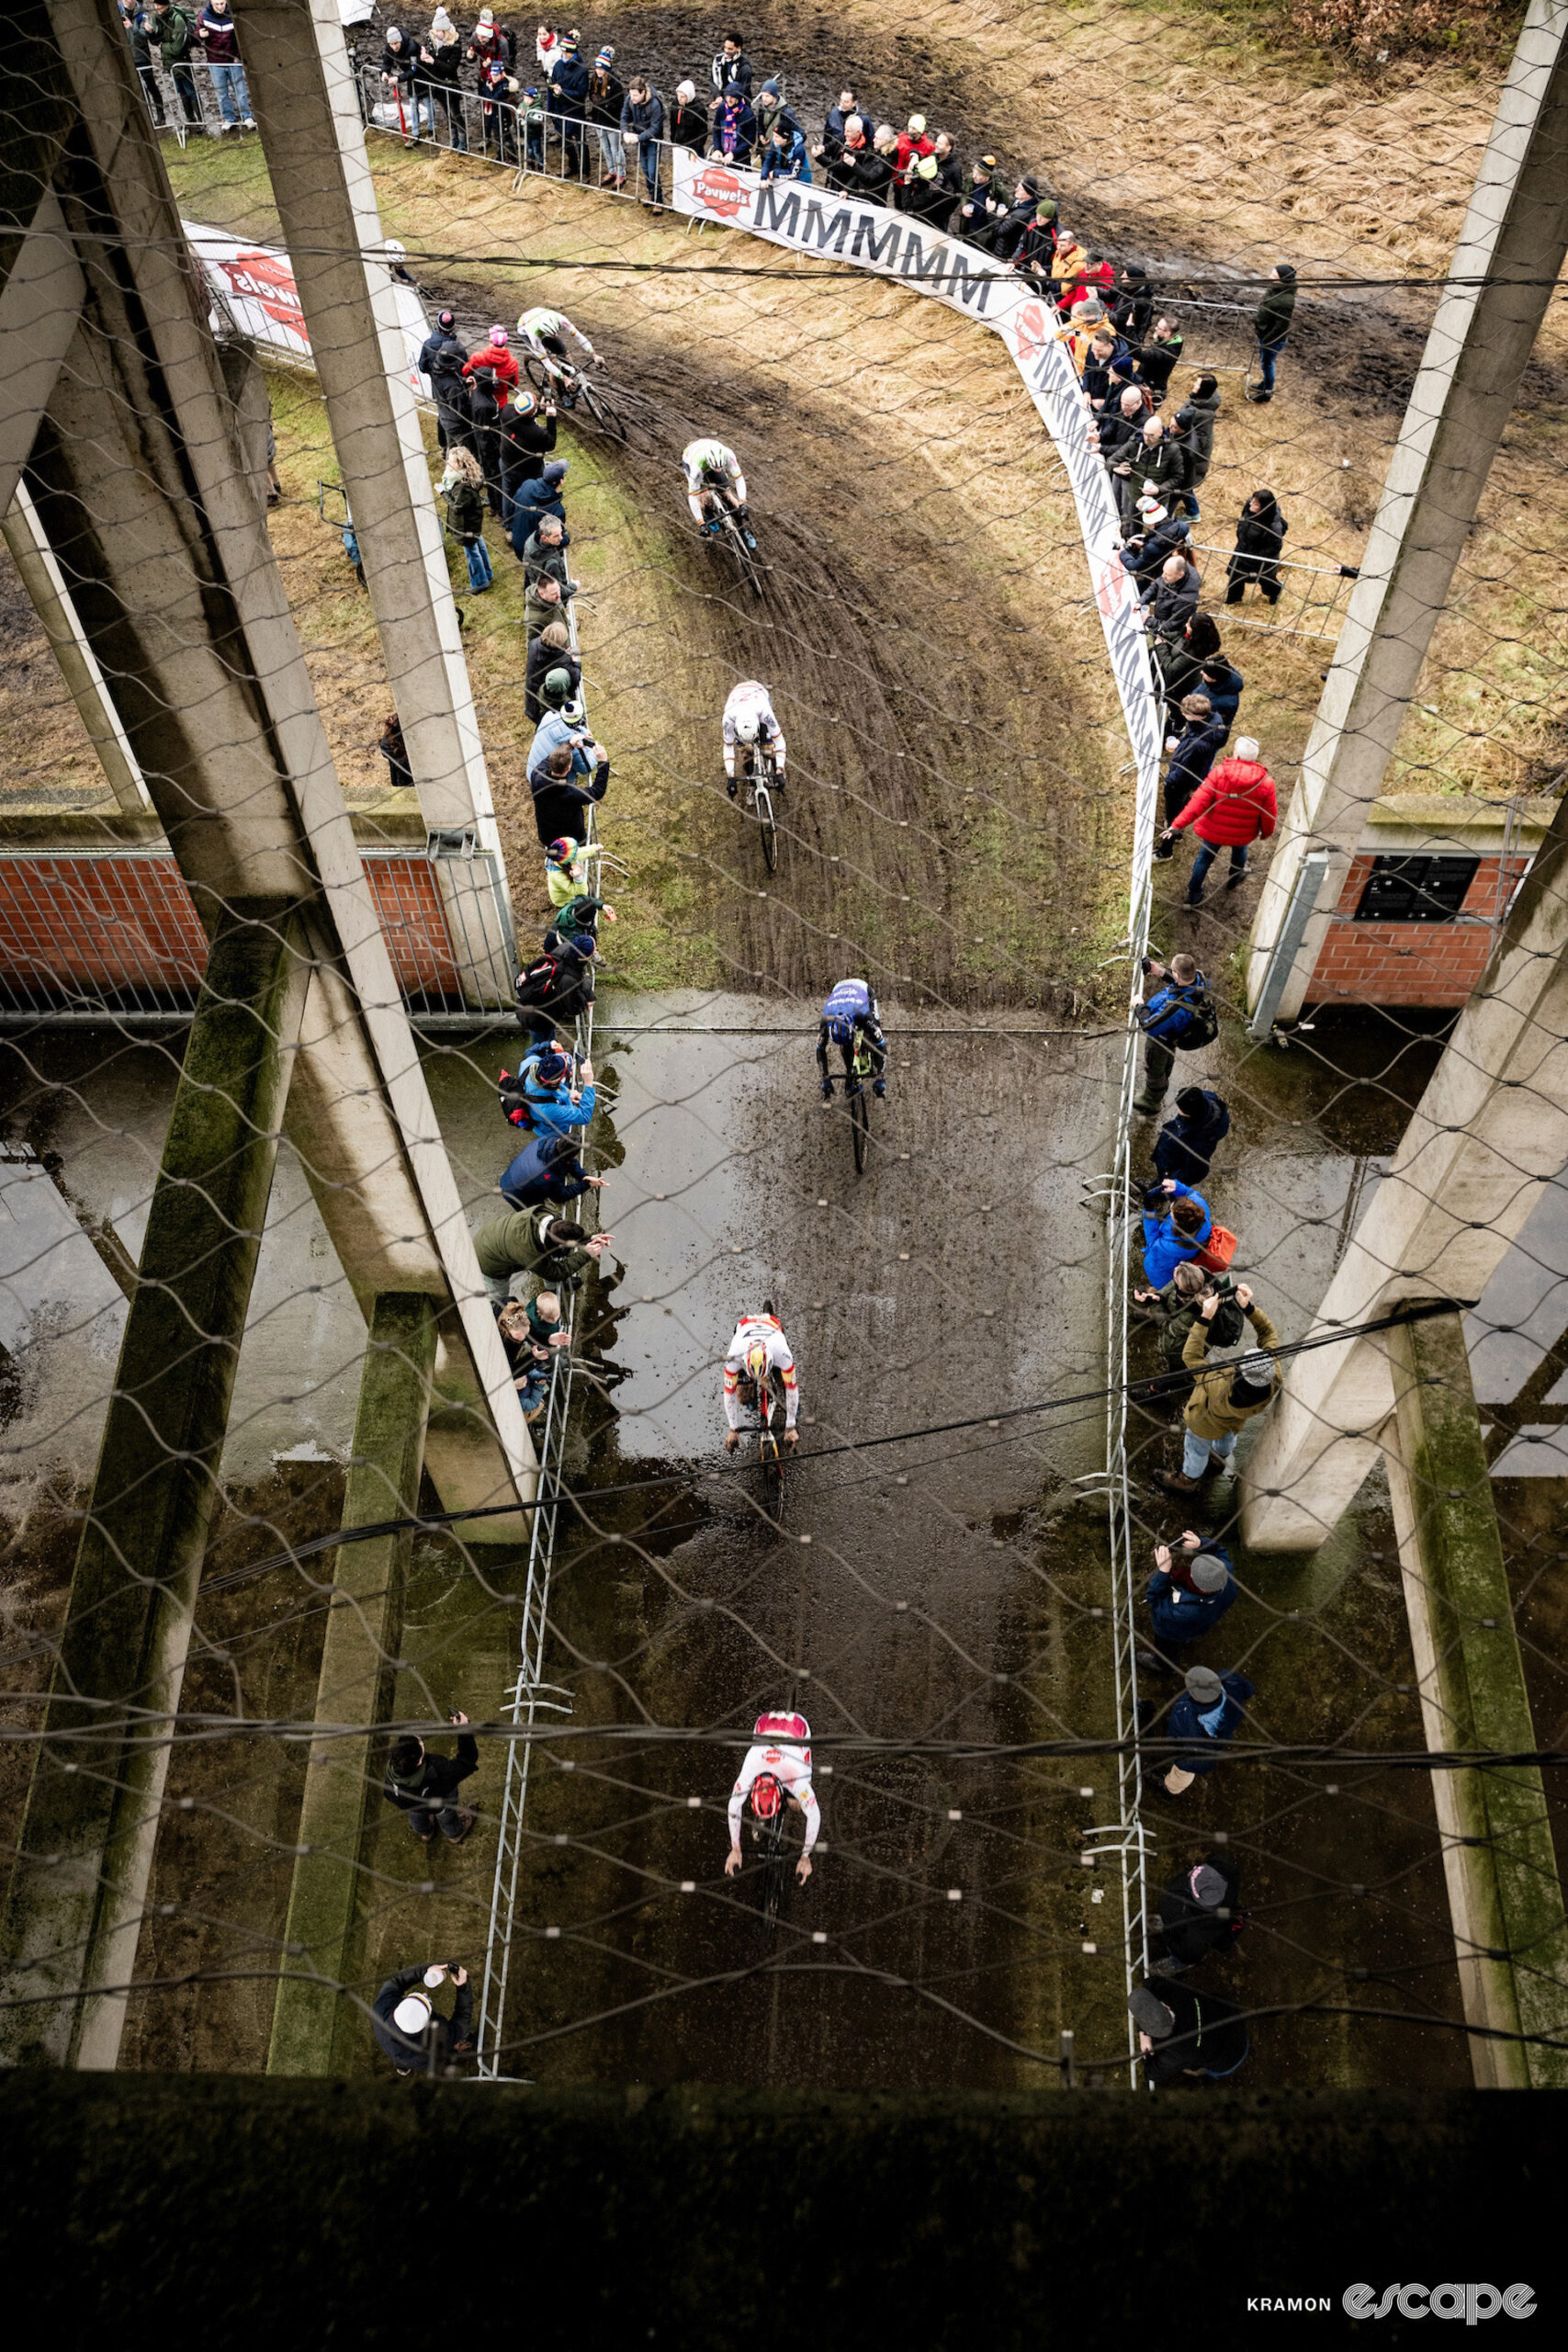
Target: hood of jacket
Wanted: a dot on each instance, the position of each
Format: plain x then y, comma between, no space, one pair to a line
1239,776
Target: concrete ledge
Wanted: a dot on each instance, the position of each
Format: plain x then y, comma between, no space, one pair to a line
41,821
1475,828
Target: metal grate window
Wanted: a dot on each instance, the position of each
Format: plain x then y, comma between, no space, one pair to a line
1415,889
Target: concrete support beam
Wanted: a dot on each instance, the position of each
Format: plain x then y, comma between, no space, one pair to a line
79,1883
1510,1933
1504,267
39,575
43,290
363,1631
1489,1132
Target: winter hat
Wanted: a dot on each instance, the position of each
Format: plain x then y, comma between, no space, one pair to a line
606,55
988,162
557,685
1256,1371
413,2013
916,124
1148,2011
440,22
1204,1685
1151,510
1045,210
497,336
1207,1574
1029,183
551,1066
487,16
1133,269
770,88
1287,269
685,92
1208,1886
561,852
1246,749
445,319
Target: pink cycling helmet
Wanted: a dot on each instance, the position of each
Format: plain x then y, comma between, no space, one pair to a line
497,336
782,1726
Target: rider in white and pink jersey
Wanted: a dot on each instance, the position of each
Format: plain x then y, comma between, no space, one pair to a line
782,1754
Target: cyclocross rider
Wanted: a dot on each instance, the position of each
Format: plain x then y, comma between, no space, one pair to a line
851,1012
749,717
781,1754
714,478
758,1349
544,333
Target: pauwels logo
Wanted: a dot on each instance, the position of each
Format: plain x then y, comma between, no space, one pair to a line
1110,584
722,193
1032,331
261,277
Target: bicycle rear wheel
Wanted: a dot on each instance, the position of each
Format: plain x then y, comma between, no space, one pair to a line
860,1127
745,563
775,1870
769,829
538,375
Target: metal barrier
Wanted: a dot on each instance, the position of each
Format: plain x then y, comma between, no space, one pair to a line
522,139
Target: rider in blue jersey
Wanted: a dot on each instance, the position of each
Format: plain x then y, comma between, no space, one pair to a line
851,1010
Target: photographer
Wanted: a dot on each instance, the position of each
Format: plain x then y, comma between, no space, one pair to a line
1177,1017
423,1785
407,2027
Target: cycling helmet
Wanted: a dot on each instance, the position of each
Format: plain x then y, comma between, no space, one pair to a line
392,248
714,462
782,1726
557,685
497,336
757,1361
766,1796
748,728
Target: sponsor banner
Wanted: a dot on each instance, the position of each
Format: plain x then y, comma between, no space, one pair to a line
815,222
256,285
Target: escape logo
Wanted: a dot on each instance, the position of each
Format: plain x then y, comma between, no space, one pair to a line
1469,2304
722,192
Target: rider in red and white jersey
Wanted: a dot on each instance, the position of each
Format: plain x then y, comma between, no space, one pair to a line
782,1754
758,1349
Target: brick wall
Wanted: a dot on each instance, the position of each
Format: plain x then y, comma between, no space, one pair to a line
1435,963
117,927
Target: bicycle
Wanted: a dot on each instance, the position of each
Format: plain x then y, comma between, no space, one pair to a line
573,391
861,1069
767,1801
760,771
724,523
769,1406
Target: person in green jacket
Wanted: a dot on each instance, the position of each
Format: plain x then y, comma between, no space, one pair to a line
174,29
1271,324
534,1245
466,512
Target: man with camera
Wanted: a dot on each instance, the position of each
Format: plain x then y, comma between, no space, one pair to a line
406,2027
1176,1016
423,1786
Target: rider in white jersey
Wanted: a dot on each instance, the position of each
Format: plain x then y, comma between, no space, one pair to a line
758,1349
713,477
782,1753
544,333
749,717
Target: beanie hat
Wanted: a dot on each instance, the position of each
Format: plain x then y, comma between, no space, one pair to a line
1044,213
606,55
551,1066
916,124
1204,1685
1246,749
413,2013
561,852
685,92
1208,1886
1256,1371
988,160
1149,2012
557,682
1207,1573
1029,183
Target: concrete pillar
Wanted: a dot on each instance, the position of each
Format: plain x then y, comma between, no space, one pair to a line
1504,268
1510,1934
79,1883
302,85
1489,1132
363,1631
41,577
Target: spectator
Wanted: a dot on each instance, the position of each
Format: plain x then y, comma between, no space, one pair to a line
544,604
542,495
1095,277
1174,1310
492,378
1159,355
1177,1017
1192,754
912,145
546,1171
566,869
784,156
1173,599
1271,324
526,1244
556,729
833,128
1197,417
557,988
1207,1711
1105,350
400,64
1133,306
861,170
525,434
547,47
551,650
1199,1913
1235,805
1225,1399
689,122
731,66
502,104
606,99
440,66
423,1786
1160,465
642,119
1180,664
1187,1594
578,918
1177,1225
734,128
466,517
1187,2036
442,358
174,29
395,752
984,204
1259,535
559,796
771,111
1158,536
1222,682
132,16
1119,436
1186,1144
412,2036
530,1351
545,554
568,104
927,197
1007,234
221,39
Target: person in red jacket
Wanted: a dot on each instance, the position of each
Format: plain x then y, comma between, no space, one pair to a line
496,366
1234,806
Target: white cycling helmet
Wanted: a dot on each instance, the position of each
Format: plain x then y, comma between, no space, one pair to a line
747,729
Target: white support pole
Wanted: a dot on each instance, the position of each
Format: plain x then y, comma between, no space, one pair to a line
40,574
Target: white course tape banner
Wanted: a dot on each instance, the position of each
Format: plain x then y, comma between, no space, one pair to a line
816,220
256,285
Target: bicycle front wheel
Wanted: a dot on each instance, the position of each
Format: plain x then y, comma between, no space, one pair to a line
769,831
600,410
860,1127
538,375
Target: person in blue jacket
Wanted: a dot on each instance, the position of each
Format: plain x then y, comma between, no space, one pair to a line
1176,1224
568,103
784,156
1188,1593
1223,682
1207,1712
543,1091
554,729
547,1169
541,494
1172,1016
1186,1144
1192,754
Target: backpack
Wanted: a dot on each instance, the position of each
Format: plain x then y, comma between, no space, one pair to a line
1215,1255
1202,1027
